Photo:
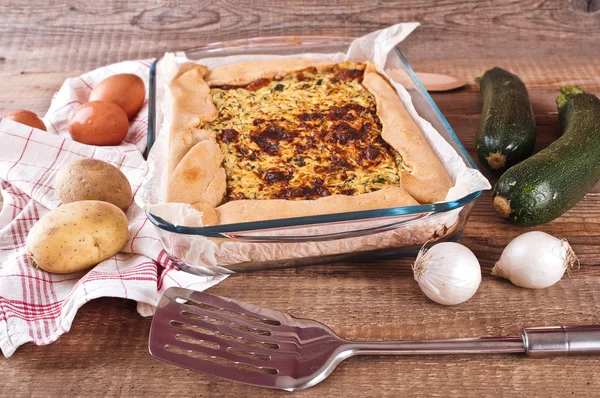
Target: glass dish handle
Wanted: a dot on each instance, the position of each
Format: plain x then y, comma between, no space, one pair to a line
248,236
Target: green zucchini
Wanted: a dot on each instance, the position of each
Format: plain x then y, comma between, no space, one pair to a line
549,183
506,132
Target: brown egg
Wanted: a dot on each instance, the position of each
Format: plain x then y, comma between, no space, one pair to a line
98,123
26,117
125,90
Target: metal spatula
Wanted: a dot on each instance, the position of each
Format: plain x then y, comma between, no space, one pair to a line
258,346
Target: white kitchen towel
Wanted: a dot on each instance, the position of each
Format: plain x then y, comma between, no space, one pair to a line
36,306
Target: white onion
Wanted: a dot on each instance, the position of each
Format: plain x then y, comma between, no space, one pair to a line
448,273
535,260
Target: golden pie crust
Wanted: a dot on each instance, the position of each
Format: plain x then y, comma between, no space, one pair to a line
202,158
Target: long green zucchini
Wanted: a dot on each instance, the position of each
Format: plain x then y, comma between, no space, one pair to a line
506,132
546,185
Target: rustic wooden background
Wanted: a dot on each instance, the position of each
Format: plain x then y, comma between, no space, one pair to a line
548,43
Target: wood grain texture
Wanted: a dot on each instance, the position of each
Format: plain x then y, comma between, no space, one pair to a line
547,43
54,36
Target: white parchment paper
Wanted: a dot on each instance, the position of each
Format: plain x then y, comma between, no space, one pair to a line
374,47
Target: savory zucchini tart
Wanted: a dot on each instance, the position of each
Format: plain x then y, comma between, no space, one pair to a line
286,138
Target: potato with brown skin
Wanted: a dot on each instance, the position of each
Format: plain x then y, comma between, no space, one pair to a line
92,179
77,236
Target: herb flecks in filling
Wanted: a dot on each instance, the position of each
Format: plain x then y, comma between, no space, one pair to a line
307,135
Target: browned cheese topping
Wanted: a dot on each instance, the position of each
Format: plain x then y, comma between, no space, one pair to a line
307,135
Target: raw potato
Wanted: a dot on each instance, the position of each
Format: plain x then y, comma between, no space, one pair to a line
77,235
91,179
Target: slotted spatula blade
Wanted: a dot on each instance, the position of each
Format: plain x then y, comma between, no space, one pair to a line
238,341
262,347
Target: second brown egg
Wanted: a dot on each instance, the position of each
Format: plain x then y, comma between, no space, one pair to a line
126,90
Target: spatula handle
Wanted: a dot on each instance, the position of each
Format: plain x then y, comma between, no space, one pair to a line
562,340
535,342
484,345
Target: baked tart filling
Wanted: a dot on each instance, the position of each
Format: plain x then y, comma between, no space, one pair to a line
306,135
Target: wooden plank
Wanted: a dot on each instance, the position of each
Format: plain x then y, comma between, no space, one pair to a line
44,34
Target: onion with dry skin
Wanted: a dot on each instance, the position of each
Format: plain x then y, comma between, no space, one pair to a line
448,273
535,260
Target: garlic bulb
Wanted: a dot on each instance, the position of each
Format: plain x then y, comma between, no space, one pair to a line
448,273
535,260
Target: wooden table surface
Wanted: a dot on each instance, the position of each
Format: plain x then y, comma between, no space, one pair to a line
547,43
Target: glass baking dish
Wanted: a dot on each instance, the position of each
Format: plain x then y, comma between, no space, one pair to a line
299,241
